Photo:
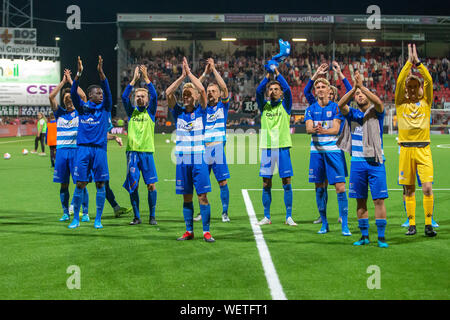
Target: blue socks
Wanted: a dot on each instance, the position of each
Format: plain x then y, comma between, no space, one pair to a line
76,199
188,213
100,202
321,200
267,200
363,225
152,195
343,207
288,199
110,195
225,197
381,227
85,201
134,198
205,211
64,197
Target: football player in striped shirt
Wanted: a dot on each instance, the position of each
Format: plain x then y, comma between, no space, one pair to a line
367,168
66,145
327,161
215,133
191,169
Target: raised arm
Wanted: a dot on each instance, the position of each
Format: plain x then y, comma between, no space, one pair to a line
170,91
427,80
198,85
219,79
52,95
206,72
342,104
338,70
287,93
107,96
378,104
400,86
260,91
80,91
76,100
321,71
153,103
127,92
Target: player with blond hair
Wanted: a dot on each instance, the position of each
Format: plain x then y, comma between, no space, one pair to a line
191,169
327,161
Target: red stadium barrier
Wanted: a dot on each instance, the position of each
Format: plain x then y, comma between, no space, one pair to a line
11,130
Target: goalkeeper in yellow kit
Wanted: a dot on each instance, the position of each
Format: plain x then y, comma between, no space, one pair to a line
413,114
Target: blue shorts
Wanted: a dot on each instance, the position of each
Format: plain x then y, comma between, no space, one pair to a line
280,157
91,158
64,165
329,166
216,160
364,174
138,162
189,176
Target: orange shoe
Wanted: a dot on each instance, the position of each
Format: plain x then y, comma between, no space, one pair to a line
186,236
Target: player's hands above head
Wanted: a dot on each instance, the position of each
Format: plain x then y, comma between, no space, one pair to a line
358,79
80,65
211,63
321,71
100,64
410,53
414,54
136,75
186,66
67,76
336,67
144,73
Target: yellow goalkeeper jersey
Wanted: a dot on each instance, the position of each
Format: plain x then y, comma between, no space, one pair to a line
413,118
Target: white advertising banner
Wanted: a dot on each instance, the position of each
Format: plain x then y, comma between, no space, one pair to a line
27,82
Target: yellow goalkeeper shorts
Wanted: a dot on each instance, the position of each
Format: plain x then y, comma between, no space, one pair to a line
415,160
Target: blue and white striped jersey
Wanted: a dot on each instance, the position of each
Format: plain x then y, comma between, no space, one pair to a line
66,128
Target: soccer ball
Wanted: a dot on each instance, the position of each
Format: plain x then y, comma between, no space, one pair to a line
24,152
7,156
167,141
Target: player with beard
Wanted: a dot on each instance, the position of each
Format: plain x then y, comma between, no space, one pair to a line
362,137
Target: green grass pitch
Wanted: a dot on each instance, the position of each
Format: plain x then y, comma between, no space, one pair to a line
145,262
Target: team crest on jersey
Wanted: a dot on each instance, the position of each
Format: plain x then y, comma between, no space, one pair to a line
328,114
72,114
192,115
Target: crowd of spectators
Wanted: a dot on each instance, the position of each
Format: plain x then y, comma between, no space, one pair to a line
243,70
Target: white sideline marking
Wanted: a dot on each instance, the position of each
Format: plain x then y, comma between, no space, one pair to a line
418,188
169,180
15,141
276,290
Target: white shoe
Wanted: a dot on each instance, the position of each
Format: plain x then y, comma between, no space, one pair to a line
225,218
198,217
290,222
264,221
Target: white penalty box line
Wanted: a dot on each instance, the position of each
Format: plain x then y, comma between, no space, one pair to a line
276,290
309,189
